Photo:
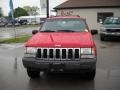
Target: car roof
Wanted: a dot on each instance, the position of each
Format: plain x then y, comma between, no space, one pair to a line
65,17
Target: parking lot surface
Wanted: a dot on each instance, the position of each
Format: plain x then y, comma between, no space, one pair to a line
9,32
13,75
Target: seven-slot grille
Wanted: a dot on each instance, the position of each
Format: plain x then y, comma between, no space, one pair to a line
59,53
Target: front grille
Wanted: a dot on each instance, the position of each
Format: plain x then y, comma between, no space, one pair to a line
58,53
113,30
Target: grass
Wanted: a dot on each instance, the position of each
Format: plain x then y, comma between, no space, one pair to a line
20,39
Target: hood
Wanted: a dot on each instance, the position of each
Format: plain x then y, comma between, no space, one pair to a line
109,26
61,40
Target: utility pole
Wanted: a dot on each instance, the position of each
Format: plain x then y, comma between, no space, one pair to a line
47,2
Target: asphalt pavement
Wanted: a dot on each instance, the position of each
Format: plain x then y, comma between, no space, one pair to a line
13,75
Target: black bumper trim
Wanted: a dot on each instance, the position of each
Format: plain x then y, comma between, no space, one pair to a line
67,65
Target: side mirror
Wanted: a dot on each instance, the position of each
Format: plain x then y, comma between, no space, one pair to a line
34,32
93,32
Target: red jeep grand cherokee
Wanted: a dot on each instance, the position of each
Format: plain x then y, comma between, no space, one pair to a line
62,44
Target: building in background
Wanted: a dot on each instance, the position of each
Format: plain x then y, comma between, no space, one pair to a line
94,11
43,7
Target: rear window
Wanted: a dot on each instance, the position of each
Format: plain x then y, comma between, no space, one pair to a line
64,24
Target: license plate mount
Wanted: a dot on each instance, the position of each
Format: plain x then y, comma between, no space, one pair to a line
57,66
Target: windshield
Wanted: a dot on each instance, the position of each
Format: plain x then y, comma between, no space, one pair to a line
56,25
112,20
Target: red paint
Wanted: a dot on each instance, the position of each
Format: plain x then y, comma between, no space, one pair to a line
66,40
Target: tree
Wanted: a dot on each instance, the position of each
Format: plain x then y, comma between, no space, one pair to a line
35,10
19,12
31,10
1,14
28,9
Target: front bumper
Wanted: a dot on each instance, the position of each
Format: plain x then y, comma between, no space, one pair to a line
55,65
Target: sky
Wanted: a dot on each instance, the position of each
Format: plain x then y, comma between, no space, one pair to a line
4,4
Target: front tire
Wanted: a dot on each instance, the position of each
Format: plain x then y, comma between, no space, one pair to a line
90,75
102,37
33,73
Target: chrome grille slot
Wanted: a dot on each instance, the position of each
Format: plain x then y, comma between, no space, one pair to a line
44,53
64,55
58,53
70,53
51,54
39,53
77,54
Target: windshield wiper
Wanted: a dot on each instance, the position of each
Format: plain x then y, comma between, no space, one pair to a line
65,31
47,31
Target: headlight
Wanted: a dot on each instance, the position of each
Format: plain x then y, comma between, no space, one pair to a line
87,53
103,29
30,52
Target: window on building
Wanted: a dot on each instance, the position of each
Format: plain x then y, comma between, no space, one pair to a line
101,16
